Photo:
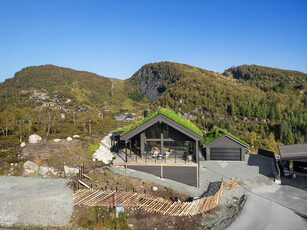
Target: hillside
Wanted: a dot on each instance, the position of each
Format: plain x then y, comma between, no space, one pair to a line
229,101
266,78
261,105
81,87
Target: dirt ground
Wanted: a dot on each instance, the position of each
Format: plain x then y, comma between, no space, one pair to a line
140,219
136,219
104,178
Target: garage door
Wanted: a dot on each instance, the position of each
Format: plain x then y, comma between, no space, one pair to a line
225,154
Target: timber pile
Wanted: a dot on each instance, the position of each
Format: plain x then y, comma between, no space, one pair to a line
149,203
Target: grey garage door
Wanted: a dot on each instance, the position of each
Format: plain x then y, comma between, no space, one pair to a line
225,154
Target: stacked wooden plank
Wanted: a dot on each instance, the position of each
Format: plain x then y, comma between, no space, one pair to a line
150,203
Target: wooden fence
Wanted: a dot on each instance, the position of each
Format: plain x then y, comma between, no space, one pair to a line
150,203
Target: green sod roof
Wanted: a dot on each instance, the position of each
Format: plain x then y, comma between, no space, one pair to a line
166,112
216,133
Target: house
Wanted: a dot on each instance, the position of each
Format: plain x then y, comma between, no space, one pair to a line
163,144
168,145
294,157
120,117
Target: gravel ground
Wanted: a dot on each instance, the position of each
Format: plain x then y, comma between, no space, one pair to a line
38,201
260,213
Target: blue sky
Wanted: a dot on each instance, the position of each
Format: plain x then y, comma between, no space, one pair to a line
115,38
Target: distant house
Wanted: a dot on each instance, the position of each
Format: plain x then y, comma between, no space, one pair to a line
82,109
120,118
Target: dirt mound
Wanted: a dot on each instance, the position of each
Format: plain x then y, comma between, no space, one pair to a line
57,154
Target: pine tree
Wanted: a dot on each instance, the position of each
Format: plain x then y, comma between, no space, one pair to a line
289,138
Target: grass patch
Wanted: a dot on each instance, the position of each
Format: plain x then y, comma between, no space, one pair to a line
216,133
104,218
169,114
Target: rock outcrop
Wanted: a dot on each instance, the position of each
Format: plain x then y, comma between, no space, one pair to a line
32,169
103,153
153,80
70,171
34,138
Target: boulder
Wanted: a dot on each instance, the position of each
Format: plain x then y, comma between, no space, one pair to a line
52,171
70,171
23,144
43,170
69,139
34,138
57,140
29,172
76,136
29,165
103,154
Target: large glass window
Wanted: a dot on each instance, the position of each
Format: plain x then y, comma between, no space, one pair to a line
180,148
153,131
165,129
152,147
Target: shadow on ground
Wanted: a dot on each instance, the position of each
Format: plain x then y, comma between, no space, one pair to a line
265,166
300,182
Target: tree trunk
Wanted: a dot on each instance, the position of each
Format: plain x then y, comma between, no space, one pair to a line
20,132
30,125
47,134
49,126
89,127
84,127
73,117
6,127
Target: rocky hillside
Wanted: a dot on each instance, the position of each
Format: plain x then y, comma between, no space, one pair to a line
153,79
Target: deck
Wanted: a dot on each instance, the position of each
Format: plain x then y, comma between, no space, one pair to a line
149,159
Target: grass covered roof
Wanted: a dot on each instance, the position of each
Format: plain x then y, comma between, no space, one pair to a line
169,114
216,133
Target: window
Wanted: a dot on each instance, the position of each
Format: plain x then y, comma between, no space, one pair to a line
153,131
179,148
152,147
165,129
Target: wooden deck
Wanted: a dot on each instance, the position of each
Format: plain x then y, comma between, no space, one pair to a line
150,203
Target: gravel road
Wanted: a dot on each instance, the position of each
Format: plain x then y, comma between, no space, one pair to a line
38,201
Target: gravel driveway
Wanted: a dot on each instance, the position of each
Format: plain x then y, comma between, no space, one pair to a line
260,213
38,201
